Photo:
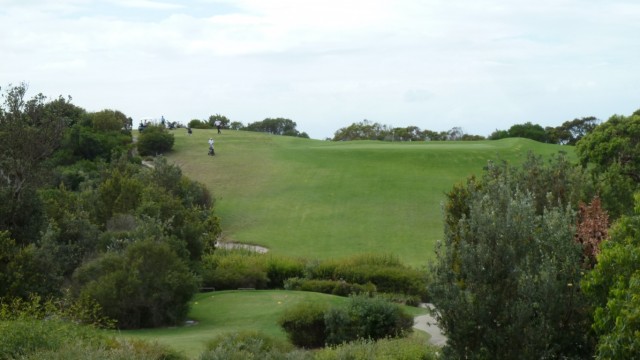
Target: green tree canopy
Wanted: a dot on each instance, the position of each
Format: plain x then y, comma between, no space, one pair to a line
614,288
506,276
31,130
155,140
612,151
218,119
276,126
146,285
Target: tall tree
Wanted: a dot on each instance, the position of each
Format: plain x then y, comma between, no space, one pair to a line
30,131
612,152
506,275
528,131
276,126
218,119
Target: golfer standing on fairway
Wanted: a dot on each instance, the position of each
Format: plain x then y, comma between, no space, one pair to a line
211,152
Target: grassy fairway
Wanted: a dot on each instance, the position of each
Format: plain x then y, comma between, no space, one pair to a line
320,199
228,311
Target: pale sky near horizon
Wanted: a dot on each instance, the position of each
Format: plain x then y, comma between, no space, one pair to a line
436,64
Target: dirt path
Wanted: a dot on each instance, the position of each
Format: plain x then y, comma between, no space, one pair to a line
429,324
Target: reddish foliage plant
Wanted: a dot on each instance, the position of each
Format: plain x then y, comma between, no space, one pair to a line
592,229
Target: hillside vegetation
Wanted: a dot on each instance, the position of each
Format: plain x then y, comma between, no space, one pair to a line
321,199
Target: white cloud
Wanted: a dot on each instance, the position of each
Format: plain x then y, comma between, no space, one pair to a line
437,64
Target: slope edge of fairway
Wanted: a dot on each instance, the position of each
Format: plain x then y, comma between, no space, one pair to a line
322,199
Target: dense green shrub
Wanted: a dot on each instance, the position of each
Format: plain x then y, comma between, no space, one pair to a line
154,140
366,318
233,269
198,124
281,268
314,325
305,324
146,285
386,272
22,337
53,339
506,277
340,288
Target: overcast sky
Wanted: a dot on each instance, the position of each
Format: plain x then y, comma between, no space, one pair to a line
436,64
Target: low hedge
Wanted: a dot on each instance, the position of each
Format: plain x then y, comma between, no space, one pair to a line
340,288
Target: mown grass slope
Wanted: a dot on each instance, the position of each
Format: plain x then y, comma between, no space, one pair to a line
321,199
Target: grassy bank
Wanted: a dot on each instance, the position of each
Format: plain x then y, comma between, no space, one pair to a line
321,199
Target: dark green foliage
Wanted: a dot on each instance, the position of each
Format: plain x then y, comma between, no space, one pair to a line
90,143
614,289
147,285
155,140
528,131
304,324
199,124
570,132
366,318
506,278
25,270
30,131
612,151
277,126
21,214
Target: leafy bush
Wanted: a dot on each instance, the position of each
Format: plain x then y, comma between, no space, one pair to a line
22,337
280,268
305,324
340,288
233,269
366,318
35,339
146,285
386,272
198,124
155,140
313,325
